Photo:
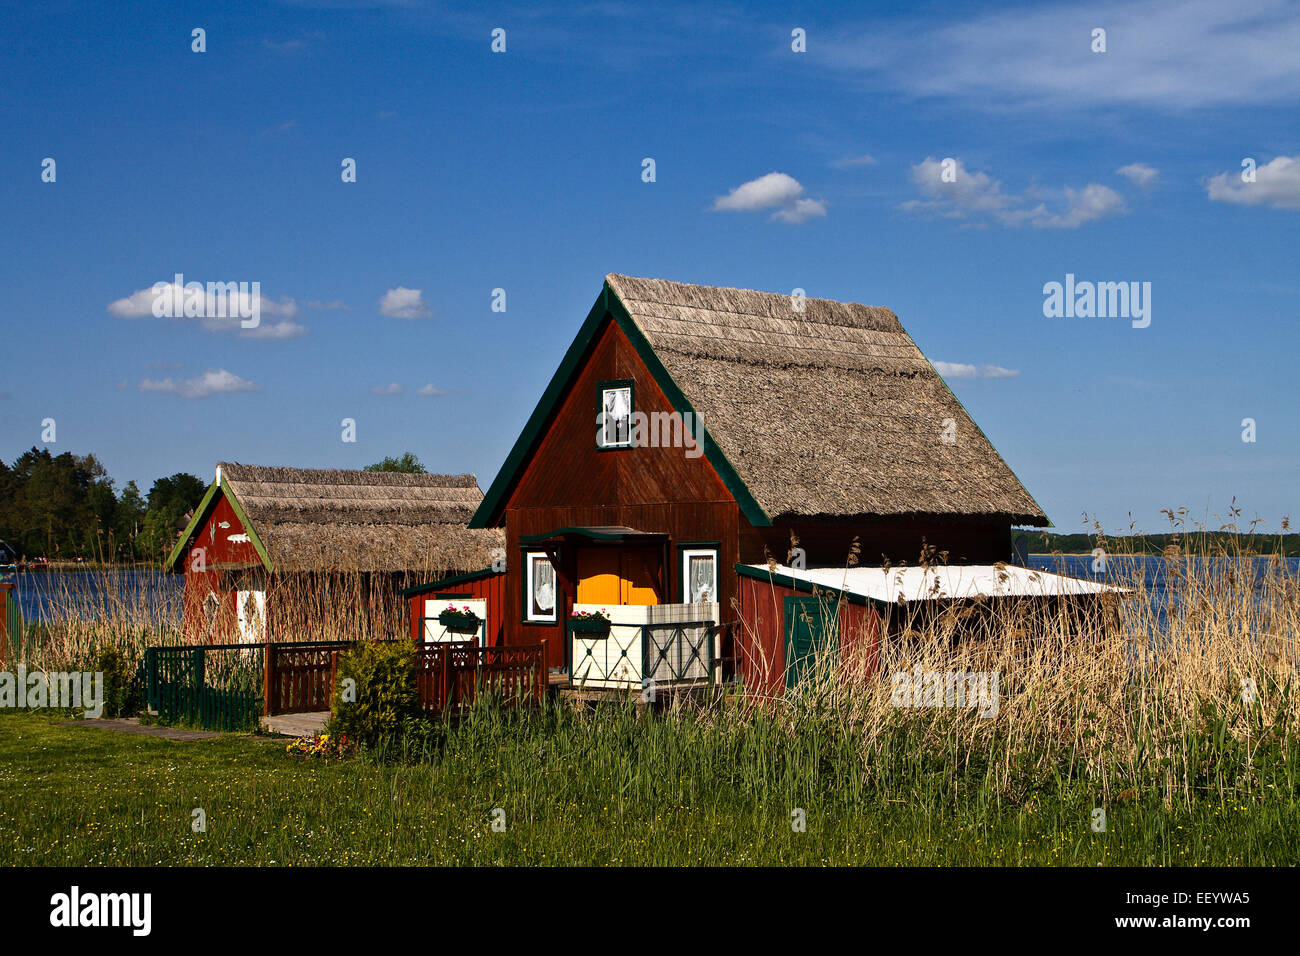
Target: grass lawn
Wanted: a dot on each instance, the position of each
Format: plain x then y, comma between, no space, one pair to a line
76,796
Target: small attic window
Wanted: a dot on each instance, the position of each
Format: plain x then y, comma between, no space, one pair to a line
614,414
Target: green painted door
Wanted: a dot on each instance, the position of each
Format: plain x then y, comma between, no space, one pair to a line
806,638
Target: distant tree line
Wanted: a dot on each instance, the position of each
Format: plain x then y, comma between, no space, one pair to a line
1198,542
64,507
407,464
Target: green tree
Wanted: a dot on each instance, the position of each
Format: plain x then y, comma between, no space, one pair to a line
408,463
170,501
56,505
128,524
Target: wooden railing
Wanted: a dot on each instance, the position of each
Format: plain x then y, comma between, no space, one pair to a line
451,675
300,676
228,686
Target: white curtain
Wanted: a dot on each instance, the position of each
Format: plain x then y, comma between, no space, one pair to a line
617,415
543,586
702,578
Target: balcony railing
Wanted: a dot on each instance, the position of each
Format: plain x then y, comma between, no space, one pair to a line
655,644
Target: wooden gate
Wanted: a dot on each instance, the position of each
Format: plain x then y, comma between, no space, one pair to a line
450,676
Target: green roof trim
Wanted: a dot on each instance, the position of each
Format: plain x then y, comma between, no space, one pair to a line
607,304
201,514
795,584
446,582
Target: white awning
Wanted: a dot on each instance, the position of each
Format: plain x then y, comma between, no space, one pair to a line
945,582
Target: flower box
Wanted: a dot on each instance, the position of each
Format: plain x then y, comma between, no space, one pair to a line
457,620
592,625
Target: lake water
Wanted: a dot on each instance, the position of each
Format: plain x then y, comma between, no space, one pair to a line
38,591
1122,569
41,591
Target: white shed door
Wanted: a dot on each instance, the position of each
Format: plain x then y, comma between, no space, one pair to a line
252,616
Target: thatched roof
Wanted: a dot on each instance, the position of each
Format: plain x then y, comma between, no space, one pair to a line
828,411
333,519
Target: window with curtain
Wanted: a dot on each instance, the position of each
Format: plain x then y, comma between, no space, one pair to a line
700,575
616,407
541,595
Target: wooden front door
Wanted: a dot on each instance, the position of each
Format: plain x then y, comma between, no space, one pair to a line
612,575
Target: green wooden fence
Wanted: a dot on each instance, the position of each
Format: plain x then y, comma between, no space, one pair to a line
14,628
213,686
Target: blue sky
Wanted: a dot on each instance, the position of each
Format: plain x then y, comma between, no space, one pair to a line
522,170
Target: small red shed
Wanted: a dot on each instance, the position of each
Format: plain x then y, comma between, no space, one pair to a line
270,551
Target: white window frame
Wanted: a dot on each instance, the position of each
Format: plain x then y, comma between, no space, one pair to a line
528,589
606,421
687,554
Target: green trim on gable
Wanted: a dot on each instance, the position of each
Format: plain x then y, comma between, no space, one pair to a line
248,525
453,580
201,514
608,303
490,507
795,584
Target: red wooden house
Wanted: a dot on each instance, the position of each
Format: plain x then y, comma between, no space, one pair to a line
700,455
271,553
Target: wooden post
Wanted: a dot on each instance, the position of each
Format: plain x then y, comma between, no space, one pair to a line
334,678
543,675
268,679
445,654
4,632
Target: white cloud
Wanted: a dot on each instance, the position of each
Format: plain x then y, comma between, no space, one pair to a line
801,211
773,190
1164,54
1093,201
404,303
979,197
1277,184
1140,174
866,159
962,370
271,330
211,382
429,390
997,371
392,388
135,306
956,370
239,302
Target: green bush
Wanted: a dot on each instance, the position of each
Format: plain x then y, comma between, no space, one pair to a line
118,680
386,696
